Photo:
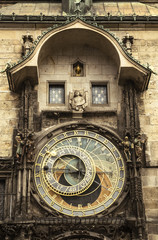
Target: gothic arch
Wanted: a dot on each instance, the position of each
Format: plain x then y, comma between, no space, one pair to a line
127,67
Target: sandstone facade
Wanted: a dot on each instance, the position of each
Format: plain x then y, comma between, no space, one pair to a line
55,65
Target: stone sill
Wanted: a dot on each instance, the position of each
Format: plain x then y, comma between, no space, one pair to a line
151,164
95,110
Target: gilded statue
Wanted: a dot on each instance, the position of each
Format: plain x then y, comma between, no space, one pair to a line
127,148
78,70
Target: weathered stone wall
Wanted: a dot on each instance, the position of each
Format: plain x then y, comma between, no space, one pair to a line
145,50
10,50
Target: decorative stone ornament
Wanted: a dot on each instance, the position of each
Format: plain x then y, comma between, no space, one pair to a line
128,42
78,100
27,44
78,69
78,7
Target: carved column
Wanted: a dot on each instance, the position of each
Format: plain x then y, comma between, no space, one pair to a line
19,184
24,140
132,127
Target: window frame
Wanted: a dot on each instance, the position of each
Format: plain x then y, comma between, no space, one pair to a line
49,83
101,83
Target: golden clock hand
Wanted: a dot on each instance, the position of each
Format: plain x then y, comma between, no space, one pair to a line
100,184
69,164
64,170
53,153
60,169
103,172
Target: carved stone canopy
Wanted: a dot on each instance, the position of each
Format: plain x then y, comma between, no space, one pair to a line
127,67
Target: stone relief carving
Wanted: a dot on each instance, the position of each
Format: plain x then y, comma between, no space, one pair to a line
78,100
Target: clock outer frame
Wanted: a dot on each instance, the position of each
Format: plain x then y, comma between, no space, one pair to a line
42,139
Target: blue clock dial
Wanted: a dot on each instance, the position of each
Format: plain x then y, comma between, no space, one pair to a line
79,173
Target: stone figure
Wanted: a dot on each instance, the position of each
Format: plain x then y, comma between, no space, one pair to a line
128,42
19,145
29,147
127,148
27,44
80,6
138,143
78,100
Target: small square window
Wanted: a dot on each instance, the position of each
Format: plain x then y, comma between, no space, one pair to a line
99,94
56,93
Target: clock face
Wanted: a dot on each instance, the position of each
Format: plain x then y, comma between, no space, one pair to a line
79,173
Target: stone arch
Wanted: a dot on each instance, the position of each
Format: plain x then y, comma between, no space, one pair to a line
81,235
80,32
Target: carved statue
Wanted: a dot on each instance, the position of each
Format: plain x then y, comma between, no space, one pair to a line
138,143
80,6
127,148
27,43
78,100
78,70
128,42
20,146
29,147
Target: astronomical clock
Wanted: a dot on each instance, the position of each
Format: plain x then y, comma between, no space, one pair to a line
79,173
75,171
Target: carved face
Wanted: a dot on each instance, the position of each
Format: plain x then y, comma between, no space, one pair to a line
79,173
76,93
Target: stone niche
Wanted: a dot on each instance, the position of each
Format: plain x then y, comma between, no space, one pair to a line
57,62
